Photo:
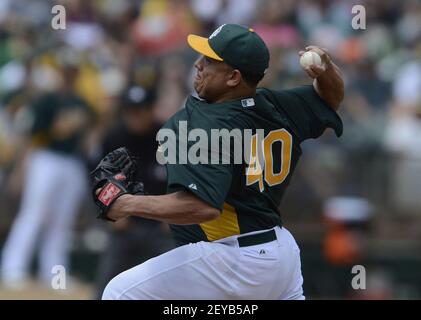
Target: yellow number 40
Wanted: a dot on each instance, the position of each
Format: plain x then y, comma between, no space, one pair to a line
255,171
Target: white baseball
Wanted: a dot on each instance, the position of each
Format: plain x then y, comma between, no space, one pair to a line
309,58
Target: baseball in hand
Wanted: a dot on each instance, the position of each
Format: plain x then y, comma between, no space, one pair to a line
309,58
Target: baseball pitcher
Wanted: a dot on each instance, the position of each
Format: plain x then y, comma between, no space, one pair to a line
224,212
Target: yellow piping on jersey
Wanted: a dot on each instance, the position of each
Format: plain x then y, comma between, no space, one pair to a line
225,226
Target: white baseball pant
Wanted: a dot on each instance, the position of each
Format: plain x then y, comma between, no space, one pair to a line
216,270
54,187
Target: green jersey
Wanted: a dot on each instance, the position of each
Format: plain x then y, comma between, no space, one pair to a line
60,110
248,194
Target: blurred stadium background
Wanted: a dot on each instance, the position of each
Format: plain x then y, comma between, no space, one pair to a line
353,201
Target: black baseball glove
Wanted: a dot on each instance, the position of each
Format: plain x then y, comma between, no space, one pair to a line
114,176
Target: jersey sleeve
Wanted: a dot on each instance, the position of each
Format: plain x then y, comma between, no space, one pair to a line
208,182
307,112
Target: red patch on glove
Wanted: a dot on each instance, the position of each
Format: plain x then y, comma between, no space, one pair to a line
120,177
108,193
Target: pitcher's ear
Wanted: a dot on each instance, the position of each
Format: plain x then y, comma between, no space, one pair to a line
234,78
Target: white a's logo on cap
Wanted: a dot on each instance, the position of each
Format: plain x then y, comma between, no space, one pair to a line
217,31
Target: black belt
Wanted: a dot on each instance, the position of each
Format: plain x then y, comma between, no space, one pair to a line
258,238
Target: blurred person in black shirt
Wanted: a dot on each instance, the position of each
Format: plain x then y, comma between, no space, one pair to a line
135,240
55,184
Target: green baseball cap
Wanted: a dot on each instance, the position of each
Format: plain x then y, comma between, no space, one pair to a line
238,46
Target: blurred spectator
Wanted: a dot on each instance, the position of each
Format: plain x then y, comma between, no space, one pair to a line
402,137
217,12
347,219
347,222
162,26
171,88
